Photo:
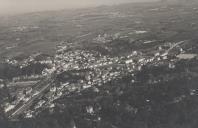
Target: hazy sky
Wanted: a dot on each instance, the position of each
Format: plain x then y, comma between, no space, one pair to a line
22,6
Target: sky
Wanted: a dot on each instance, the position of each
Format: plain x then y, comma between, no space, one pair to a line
23,6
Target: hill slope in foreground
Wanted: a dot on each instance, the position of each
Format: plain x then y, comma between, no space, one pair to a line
122,66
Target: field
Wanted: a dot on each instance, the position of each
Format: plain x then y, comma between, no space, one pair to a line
29,33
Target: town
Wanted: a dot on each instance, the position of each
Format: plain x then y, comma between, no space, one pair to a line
104,67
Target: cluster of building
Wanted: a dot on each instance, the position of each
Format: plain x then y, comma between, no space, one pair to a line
90,68
23,28
105,38
24,83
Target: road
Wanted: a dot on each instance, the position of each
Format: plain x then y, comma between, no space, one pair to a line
35,96
175,45
81,36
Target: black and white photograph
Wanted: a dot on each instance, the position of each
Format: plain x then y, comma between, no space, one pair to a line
98,63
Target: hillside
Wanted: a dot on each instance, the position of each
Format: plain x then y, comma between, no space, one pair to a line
123,66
